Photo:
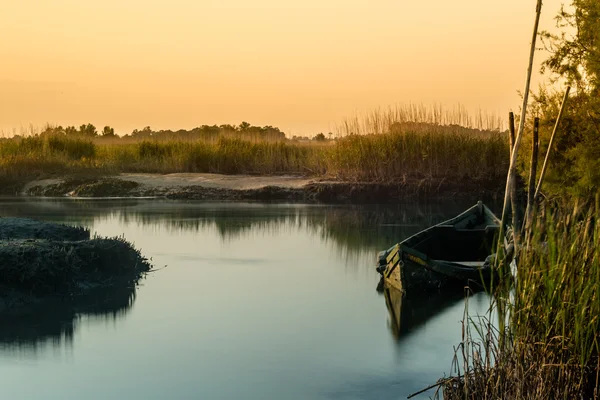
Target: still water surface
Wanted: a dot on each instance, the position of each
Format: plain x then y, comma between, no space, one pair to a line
255,302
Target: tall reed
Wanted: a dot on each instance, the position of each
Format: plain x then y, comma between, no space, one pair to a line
408,152
551,344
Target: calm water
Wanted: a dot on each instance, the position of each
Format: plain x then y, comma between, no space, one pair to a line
256,302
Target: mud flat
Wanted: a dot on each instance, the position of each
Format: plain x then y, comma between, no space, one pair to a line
194,186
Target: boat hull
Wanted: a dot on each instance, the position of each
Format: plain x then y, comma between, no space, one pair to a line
453,254
408,272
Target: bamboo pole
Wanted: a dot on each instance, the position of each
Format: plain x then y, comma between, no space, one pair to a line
532,170
543,173
511,130
513,158
513,189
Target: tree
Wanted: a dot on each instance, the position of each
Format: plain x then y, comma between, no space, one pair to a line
319,137
575,52
88,130
108,132
244,126
574,58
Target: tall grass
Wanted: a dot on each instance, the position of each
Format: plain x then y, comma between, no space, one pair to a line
550,347
420,116
407,151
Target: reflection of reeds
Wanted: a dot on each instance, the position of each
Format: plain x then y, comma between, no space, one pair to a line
352,230
55,321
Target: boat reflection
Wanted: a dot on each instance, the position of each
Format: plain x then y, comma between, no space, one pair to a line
409,313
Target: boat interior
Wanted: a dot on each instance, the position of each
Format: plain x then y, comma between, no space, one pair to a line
468,241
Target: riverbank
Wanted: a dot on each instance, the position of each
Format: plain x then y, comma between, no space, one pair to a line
43,262
410,161
289,188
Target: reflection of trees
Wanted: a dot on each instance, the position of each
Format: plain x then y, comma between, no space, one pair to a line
352,229
55,320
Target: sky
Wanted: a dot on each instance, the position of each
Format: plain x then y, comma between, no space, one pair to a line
302,66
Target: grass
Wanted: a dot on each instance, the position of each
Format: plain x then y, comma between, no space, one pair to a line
407,151
44,258
549,347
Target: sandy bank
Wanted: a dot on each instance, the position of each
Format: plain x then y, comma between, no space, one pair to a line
199,186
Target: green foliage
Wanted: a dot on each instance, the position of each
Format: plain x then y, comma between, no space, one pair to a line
575,53
574,167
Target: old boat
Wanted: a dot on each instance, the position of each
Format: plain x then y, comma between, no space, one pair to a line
454,253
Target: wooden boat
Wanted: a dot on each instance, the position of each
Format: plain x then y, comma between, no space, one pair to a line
454,253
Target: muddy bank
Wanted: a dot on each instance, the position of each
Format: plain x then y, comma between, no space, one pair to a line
241,187
42,262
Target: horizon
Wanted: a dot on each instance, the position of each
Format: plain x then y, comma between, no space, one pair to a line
301,67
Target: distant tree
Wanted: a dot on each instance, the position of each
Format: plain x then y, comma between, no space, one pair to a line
244,126
71,131
108,132
88,130
320,137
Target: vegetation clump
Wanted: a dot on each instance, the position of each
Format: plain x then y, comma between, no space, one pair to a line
41,259
43,267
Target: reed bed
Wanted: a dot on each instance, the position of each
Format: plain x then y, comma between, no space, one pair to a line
421,117
410,151
549,346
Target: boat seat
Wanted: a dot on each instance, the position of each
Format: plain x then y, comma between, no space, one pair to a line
470,264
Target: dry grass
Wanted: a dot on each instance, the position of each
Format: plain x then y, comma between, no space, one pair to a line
414,143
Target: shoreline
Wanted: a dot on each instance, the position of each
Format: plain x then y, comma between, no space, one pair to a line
285,188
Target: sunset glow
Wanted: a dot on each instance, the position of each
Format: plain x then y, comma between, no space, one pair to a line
301,66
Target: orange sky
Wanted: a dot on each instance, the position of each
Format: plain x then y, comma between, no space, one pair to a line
298,65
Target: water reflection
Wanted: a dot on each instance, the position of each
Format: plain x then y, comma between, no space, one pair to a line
299,279
55,321
407,314
348,227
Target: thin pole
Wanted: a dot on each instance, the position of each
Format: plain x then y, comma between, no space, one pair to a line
560,113
513,189
513,158
511,130
534,157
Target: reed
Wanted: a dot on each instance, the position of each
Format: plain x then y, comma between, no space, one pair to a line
421,117
550,347
409,151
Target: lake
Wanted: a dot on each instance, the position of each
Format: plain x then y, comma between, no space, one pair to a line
247,301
